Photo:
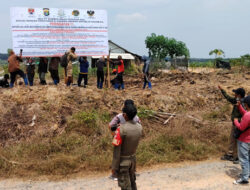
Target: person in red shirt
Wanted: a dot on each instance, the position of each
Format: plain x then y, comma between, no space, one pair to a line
244,141
120,64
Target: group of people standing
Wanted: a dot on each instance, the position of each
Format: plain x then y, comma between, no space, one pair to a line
239,146
67,61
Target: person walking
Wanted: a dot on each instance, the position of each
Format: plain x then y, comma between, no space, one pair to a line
42,70
30,70
239,94
53,69
84,67
126,141
244,141
71,57
14,68
146,72
100,72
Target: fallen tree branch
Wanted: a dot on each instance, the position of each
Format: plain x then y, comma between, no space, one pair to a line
171,117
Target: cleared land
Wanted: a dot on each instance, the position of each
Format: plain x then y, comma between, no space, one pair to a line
59,132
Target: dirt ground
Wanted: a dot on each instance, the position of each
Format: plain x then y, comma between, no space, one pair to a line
202,118
209,175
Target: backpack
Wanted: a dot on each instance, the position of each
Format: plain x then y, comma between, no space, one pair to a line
64,60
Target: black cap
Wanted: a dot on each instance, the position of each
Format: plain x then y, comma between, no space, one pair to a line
247,100
240,91
128,102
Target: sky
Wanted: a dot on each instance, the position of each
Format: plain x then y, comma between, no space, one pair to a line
202,24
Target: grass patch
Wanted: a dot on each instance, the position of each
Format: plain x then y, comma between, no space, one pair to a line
218,114
165,148
144,112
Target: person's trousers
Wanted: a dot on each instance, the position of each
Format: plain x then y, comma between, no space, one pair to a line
55,76
147,81
84,77
100,79
126,174
120,79
31,78
13,77
232,149
244,158
42,78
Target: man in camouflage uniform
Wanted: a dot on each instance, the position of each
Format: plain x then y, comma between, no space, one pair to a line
126,141
239,96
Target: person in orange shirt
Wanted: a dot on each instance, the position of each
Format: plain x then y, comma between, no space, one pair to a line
14,68
121,70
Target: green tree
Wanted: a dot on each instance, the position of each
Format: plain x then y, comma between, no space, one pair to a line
157,46
217,53
161,47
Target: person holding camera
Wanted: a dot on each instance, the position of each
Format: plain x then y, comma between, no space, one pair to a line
239,95
244,141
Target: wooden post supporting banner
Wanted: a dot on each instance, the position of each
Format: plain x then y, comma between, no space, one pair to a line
108,77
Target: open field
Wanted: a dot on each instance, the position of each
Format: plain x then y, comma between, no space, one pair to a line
61,132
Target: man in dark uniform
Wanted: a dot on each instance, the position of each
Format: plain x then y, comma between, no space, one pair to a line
126,141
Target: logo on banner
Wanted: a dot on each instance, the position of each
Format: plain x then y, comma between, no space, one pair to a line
46,12
91,13
75,13
61,13
31,11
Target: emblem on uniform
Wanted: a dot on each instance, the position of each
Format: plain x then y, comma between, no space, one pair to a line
75,12
46,11
91,13
117,140
31,11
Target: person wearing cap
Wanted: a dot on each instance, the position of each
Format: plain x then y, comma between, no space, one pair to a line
244,141
113,125
126,141
71,57
239,95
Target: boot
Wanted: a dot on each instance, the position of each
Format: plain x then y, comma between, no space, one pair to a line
98,85
144,86
11,85
101,85
55,82
31,83
149,85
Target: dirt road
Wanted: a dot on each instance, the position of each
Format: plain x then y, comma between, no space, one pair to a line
208,175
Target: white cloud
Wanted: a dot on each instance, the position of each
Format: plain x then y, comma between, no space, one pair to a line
134,17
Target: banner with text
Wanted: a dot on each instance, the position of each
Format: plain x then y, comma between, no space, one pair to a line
52,31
